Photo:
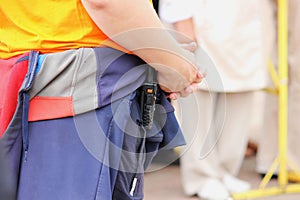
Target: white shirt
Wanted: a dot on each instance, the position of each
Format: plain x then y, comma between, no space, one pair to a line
238,35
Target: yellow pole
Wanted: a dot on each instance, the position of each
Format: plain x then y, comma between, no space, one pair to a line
281,160
283,89
274,75
282,115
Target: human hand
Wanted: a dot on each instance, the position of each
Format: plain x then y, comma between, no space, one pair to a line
192,46
186,91
182,78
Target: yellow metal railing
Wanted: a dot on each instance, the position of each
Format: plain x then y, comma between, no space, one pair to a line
280,80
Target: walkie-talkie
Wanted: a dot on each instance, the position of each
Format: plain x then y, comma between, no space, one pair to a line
147,98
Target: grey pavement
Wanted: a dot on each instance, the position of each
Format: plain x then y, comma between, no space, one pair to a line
164,183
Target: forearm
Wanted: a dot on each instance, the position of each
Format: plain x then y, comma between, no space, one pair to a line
134,25
185,27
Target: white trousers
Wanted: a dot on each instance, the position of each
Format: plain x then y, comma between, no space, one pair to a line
225,119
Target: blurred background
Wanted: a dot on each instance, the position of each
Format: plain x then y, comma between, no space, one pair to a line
233,116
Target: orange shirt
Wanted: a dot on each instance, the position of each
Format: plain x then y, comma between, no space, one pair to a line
46,26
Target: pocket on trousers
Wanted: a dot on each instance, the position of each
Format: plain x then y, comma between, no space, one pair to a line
129,186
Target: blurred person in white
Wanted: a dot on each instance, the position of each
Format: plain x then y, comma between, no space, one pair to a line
268,146
238,36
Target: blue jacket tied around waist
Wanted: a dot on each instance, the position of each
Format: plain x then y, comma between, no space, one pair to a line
100,152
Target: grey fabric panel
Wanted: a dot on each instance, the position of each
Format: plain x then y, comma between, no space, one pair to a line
85,96
69,73
56,75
